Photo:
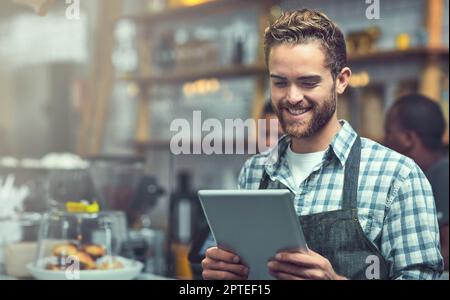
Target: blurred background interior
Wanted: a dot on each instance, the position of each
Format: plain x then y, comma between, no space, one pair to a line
87,98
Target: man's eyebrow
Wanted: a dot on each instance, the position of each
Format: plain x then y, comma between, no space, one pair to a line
306,77
277,77
310,78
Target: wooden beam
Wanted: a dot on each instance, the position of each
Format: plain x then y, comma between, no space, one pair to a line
109,11
142,134
432,79
431,82
259,97
142,131
434,16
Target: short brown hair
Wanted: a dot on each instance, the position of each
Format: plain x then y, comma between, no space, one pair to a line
301,26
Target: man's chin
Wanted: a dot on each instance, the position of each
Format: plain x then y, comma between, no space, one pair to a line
297,132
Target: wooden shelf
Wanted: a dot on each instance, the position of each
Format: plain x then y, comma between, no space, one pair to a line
165,145
398,54
179,77
236,71
189,12
152,145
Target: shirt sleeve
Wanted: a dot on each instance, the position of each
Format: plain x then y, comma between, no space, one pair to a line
410,239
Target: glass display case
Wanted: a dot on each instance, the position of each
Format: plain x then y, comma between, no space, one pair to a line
83,245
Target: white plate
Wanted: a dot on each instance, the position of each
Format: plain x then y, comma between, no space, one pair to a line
131,270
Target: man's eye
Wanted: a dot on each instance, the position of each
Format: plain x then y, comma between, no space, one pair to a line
280,83
309,84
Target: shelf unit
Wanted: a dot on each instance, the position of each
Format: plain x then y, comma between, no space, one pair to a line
432,55
146,78
236,71
384,55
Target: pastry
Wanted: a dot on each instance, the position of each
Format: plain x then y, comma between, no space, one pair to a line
115,264
86,261
65,250
94,251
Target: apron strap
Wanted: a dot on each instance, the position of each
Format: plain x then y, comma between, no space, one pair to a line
264,183
351,174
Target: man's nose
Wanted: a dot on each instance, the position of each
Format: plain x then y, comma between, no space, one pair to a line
294,95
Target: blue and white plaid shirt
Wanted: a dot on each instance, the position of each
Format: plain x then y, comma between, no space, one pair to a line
396,207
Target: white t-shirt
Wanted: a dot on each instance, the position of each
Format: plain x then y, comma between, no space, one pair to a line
302,164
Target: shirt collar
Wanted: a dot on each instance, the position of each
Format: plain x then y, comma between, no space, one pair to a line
343,141
339,148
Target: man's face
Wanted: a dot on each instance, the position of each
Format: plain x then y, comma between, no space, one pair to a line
302,89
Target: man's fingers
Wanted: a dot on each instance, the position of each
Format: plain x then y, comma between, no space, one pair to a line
219,254
220,275
285,276
223,265
301,259
295,270
275,266
237,269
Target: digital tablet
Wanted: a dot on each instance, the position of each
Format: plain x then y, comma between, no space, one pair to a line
254,224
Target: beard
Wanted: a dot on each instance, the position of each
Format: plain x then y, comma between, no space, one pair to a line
320,115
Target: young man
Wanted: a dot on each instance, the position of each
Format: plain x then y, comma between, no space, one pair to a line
366,211
414,127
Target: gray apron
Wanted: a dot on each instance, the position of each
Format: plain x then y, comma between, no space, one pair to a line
338,236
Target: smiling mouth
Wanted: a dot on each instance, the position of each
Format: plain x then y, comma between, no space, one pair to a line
298,112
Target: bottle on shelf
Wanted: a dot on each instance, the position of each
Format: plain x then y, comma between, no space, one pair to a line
186,217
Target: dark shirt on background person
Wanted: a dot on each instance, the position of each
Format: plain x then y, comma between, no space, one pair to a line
438,175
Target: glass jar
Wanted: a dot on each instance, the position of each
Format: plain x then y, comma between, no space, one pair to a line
18,241
83,246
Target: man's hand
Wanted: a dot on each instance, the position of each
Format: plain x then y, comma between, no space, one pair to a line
302,266
223,265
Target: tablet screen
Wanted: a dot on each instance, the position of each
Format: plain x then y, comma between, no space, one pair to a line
254,224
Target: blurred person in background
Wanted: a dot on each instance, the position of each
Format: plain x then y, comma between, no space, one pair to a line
414,127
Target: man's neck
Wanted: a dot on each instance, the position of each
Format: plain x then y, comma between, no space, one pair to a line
426,158
319,141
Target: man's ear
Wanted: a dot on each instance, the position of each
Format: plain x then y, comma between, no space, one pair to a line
409,139
414,138
343,79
